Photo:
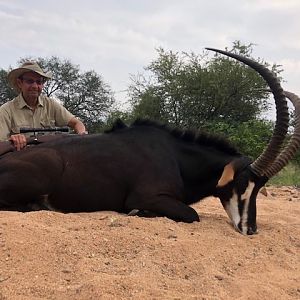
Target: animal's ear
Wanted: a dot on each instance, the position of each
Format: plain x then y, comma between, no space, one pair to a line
231,168
227,175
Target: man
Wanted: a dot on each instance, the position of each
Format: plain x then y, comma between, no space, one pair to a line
30,108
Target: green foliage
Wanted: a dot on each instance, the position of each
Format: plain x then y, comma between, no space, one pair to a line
296,159
88,98
189,90
6,92
249,137
150,107
112,117
288,176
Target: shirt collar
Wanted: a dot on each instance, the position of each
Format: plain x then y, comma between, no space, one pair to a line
22,103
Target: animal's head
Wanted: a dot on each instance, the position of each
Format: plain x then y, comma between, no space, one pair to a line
241,180
237,189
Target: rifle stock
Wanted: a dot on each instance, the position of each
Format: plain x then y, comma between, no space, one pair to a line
8,146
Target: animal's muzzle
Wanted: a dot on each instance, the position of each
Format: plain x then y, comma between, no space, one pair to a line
252,230
249,230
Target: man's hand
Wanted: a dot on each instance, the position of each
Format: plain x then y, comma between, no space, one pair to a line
19,141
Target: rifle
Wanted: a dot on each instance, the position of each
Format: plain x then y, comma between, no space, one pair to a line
38,137
37,130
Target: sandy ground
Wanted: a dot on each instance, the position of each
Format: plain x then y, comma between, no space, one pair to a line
104,255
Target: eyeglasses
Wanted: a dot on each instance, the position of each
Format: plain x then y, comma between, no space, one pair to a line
31,81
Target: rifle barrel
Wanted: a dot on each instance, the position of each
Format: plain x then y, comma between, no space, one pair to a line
54,129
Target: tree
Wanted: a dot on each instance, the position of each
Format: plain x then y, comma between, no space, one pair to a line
6,92
89,98
218,95
83,93
115,115
190,90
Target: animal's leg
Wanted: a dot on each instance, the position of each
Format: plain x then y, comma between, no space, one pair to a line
27,176
163,205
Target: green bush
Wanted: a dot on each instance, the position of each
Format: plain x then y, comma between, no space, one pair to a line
249,137
290,175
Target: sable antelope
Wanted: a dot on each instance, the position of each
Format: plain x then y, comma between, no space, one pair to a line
148,169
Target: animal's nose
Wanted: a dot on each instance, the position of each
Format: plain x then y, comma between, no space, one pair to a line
252,230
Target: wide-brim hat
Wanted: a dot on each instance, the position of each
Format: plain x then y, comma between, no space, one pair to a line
14,74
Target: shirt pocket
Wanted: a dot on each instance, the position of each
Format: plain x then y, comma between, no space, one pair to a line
16,128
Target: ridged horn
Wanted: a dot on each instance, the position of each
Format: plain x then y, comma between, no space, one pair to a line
282,115
294,143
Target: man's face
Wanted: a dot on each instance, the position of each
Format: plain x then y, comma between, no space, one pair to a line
31,85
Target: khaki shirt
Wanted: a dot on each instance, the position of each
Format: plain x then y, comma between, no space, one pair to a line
16,113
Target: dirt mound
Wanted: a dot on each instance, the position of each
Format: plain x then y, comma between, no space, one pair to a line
104,255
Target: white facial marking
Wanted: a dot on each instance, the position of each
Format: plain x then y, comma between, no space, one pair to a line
232,208
246,197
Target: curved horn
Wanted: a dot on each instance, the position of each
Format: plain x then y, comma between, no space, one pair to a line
294,144
282,116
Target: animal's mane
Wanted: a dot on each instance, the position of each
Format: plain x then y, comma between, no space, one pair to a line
192,136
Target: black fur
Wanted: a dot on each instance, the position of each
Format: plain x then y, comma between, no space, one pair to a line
187,135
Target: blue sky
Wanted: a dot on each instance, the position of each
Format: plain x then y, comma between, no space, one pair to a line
117,38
